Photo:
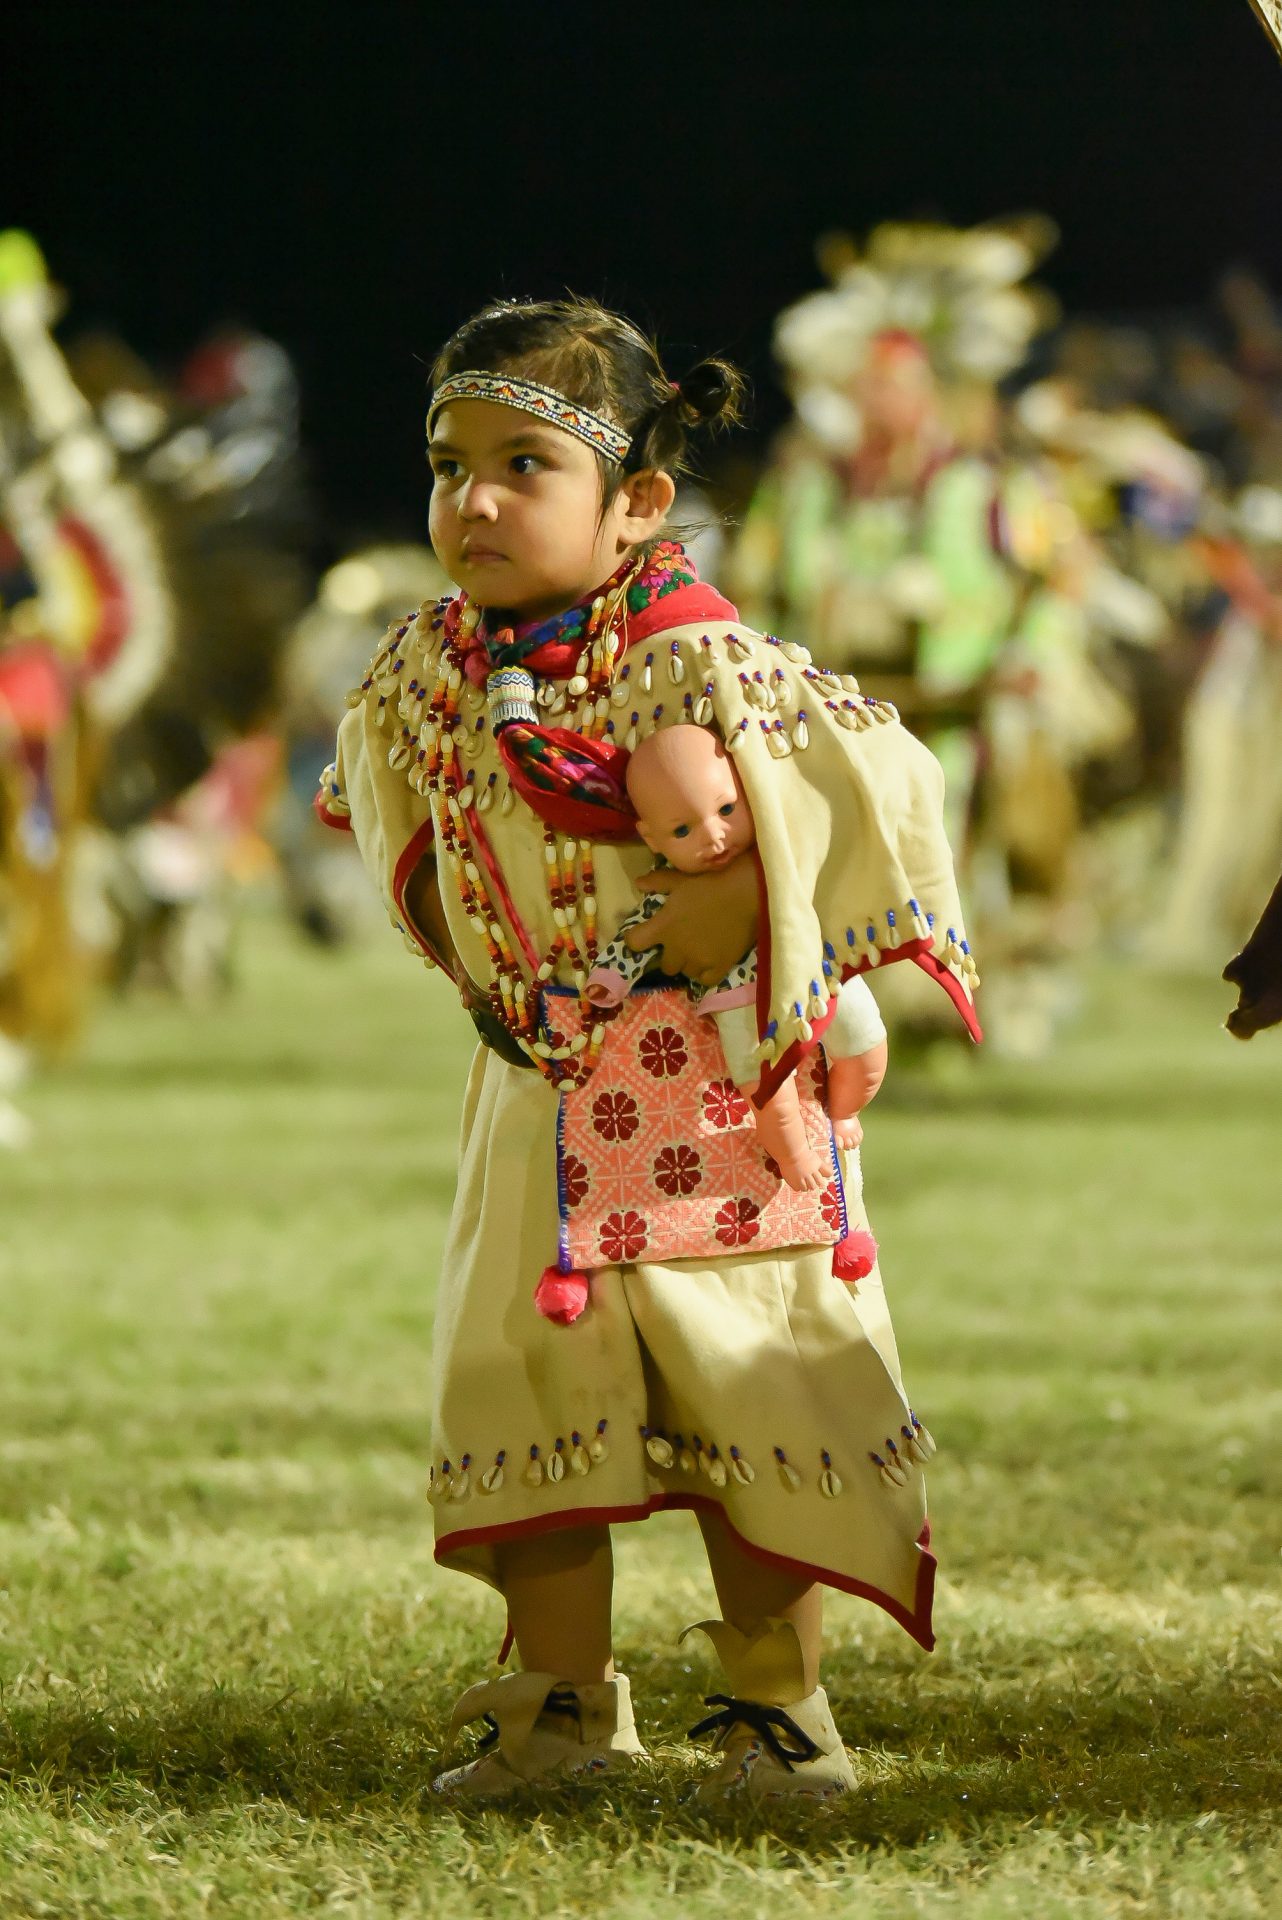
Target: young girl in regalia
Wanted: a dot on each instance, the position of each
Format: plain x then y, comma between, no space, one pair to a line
636,1311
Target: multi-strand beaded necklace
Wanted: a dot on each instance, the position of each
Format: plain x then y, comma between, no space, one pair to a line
569,873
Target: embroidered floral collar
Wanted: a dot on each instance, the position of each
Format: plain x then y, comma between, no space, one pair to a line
666,569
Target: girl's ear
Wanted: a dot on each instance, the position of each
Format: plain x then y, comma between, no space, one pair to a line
643,503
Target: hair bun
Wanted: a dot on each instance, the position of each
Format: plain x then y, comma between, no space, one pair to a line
711,394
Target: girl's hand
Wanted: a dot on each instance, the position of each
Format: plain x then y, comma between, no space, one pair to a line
708,924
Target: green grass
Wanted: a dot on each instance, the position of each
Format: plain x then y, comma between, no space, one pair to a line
227,1659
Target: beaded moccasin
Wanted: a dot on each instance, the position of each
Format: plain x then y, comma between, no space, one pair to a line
774,1741
541,1729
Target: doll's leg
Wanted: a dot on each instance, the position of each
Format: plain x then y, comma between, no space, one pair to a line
852,1082
749,1593
780,1127
558,1587
855,1044
782,1132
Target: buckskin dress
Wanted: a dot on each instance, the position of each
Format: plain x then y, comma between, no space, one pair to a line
750,1380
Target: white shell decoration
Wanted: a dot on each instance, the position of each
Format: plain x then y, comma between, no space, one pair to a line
676,669
703,711
798,655
659,1450
533,1475
556,1467
742,1471
894,1473
580,1461
738,647
462,1485
829,1484
600,1449
717,1471
789,1475
492,1478
801,735
923,1445
686,1460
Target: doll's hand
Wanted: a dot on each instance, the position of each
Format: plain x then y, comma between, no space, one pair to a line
708,923
606,987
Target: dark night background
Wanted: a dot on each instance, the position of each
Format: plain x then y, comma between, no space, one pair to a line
354,180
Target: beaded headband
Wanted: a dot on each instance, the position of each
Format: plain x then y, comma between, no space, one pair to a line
509,390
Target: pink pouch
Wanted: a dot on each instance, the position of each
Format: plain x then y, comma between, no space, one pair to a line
658,1157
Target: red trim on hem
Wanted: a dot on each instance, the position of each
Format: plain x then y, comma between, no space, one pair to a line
341,822
916,1624
931,964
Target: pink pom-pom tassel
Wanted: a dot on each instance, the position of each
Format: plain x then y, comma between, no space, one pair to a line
854,1256
561,1296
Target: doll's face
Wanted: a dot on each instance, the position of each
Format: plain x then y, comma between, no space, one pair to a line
689,805
516,514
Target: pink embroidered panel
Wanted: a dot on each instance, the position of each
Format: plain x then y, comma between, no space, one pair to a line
657,1156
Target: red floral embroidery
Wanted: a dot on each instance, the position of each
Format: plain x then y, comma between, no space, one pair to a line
830,1207
615,1115
724,1105
574,1174
678,1170
623,1236
737,1222
662,1052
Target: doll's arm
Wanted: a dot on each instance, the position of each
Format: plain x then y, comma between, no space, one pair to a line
709,922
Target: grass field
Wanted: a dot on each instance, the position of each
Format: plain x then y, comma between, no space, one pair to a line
227,1659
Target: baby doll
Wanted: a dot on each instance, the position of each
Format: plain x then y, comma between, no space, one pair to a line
691,811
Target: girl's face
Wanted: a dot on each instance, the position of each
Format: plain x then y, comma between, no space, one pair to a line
516,513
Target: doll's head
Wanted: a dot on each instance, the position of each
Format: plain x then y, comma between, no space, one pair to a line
688,801
561,459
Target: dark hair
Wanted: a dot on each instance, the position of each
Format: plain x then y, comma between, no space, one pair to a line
603,362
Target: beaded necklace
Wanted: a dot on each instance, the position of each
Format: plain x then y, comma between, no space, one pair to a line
643,582
569,873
